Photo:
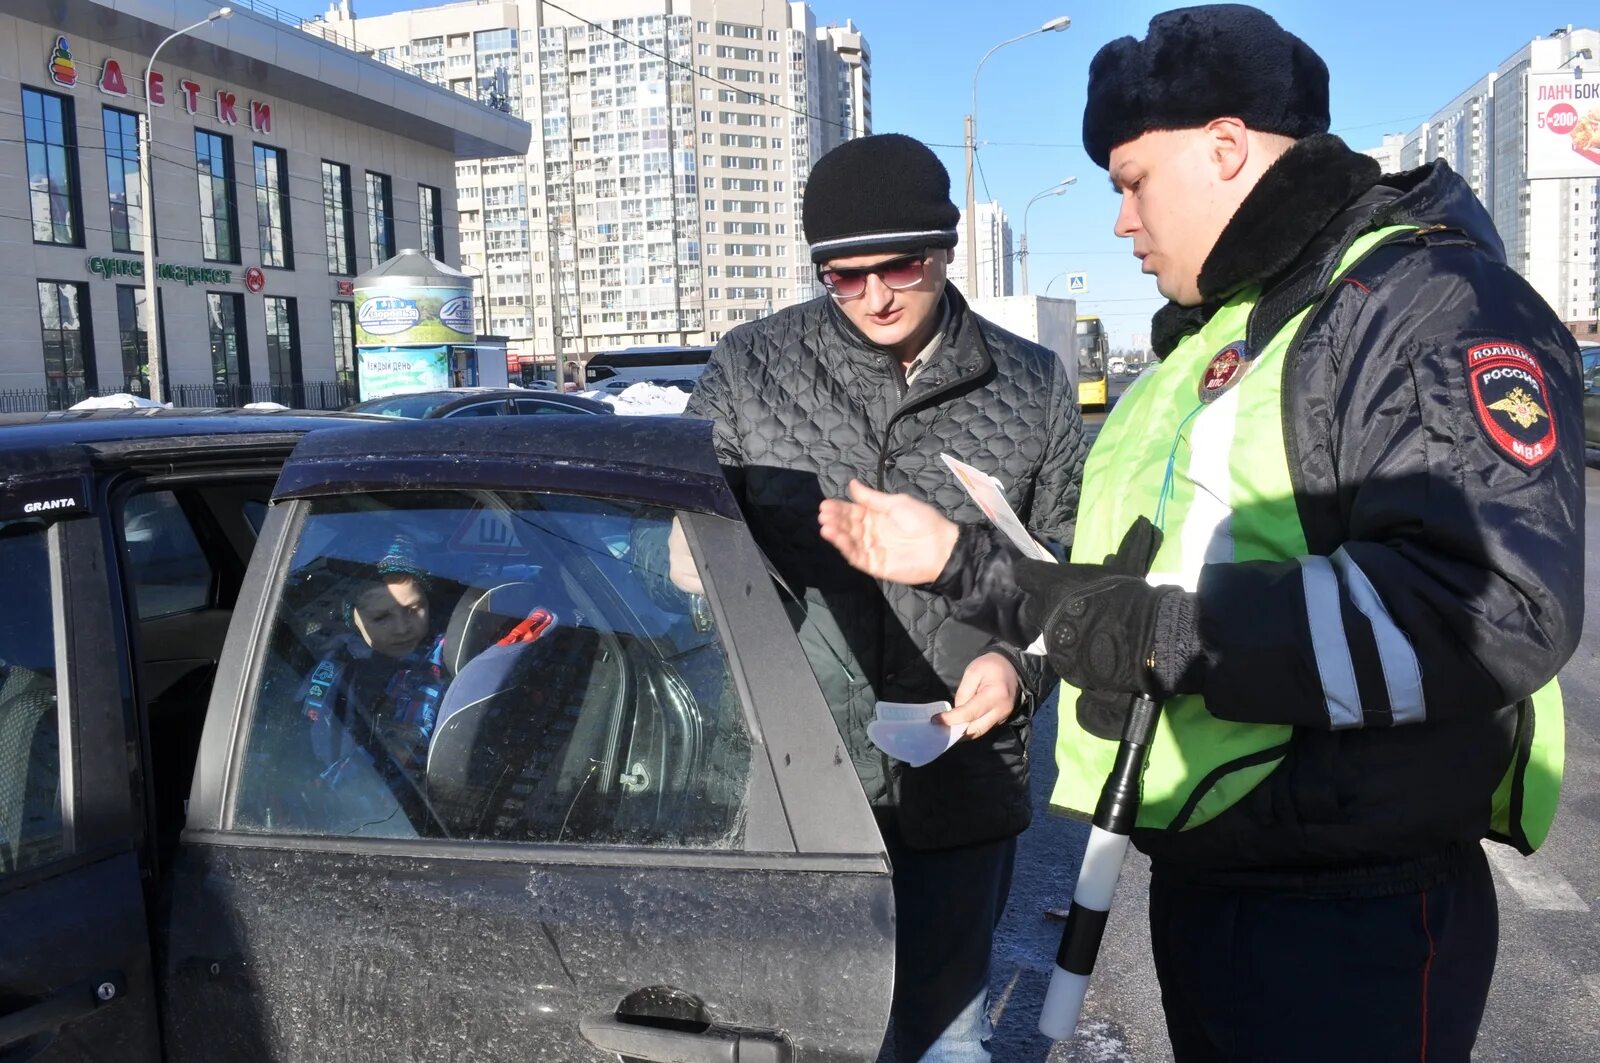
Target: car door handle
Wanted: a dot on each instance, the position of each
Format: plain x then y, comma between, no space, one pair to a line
634,1039
61,1007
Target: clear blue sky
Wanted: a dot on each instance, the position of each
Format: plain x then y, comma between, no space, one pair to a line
1393,63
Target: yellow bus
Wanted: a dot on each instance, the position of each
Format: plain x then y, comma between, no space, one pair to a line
1093,349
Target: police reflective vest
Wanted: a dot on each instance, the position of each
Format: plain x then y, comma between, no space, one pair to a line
1198,446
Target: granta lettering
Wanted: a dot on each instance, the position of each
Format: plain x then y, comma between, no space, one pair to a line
51,504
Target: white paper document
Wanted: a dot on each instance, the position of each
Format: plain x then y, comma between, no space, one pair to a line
988,493
908,732
990,496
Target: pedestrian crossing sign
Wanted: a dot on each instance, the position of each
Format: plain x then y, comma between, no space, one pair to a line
1077,284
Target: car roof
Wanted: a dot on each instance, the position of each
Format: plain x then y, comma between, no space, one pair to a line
640,456
100,426
27,440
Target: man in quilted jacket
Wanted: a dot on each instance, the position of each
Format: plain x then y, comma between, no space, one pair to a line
875,380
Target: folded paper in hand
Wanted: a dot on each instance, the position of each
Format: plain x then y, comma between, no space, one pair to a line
910,733
987,492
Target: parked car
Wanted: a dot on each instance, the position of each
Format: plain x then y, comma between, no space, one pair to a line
630,830
478,402
1591,394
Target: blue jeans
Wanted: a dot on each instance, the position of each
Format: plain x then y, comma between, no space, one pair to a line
947,904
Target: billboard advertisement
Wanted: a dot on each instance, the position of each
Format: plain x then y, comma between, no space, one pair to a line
399,317
1563,131
388,372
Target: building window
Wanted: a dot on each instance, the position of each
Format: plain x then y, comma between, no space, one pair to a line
272,207
344,342
133,335
431,215
122,179
283,342
338,213
230,358
49,126
380,217
219,213
64,321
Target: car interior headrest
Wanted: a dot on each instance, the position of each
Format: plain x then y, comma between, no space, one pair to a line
485,616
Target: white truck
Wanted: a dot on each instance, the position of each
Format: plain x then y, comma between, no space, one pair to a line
1046,321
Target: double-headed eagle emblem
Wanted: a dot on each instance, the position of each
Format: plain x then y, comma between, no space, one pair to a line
1520,407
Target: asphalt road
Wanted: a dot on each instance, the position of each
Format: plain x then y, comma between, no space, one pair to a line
1545,1002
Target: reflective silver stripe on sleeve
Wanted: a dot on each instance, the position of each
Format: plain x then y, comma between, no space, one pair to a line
1402,674
1334,666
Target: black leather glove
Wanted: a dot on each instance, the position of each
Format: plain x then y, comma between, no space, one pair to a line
1111,634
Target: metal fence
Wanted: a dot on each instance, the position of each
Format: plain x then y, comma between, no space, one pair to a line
311,395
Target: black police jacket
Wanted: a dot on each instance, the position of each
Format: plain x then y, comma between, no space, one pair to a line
1432,414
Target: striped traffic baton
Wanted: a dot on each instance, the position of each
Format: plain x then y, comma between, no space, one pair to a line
1113,823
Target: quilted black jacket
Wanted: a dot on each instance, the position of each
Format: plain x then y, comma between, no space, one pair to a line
802,403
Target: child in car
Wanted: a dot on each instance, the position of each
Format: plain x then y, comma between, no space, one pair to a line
374,696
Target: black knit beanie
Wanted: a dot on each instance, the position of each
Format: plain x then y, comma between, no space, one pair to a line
887,192
1200,63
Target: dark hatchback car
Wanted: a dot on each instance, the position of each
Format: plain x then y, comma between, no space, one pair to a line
624,827
479,402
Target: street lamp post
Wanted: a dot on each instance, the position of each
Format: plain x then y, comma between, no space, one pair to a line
1054,190
1581,53
152,330
1056,24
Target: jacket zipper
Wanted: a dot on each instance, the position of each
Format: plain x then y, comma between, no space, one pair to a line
901,392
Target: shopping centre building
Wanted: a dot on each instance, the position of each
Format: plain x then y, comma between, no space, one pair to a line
285,164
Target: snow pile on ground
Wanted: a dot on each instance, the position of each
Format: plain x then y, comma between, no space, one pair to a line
120,401
647,398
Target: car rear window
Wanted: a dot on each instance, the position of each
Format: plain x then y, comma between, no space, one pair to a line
402,405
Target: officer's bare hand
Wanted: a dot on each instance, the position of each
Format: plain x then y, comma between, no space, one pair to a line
986,697
892,537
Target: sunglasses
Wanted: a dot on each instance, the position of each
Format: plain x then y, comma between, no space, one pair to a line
897,273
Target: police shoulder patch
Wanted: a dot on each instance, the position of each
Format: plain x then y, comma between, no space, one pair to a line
1508,393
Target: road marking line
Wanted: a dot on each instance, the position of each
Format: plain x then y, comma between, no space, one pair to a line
1544,891
998,1008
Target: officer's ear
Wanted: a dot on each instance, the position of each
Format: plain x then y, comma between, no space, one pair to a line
1228,146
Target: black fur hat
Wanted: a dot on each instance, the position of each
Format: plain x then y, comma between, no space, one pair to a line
1200,63
887,192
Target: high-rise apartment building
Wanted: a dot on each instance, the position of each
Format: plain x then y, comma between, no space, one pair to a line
660,199
995,254
1551,227
1389,153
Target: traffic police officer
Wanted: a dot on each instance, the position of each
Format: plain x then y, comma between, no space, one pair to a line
1364,449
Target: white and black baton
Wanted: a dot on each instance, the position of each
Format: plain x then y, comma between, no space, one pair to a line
1114,819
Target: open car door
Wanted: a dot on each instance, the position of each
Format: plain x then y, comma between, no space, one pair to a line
75,967
479,781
